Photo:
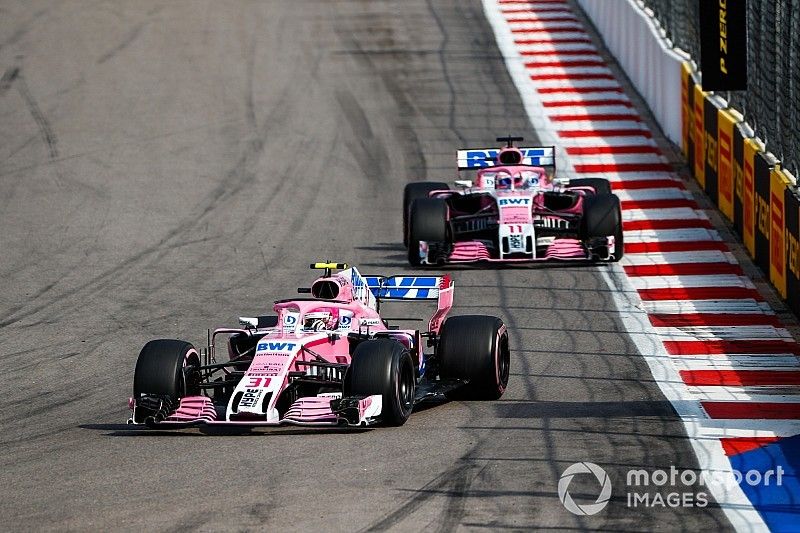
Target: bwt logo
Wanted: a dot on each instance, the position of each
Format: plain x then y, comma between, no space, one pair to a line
276,346
485,158
513,201
480,158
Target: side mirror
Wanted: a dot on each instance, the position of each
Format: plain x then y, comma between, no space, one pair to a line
464,183
248,322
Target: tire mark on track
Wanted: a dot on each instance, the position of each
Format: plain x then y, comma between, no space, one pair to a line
129,38
453,512
234,181
45,129
457,479
122,45
8,78
406,109
446,73
23,29
369,152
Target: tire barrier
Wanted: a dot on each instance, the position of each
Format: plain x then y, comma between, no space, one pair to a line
744,181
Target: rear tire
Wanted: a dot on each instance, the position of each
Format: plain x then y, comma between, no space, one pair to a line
167,368
415,191
384,366
475,348
602,217
600,185
427,222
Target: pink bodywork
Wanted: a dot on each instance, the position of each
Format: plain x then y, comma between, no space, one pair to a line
518,206
283,348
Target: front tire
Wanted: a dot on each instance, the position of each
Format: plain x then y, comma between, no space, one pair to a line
384,366
475,348
602,216
415,191
167,368
427,222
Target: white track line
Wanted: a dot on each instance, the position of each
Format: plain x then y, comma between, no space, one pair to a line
626,140
543,16
592,110
580,99
547,26
568,70
677,258
767,394
670,213
678,282
552,49
737,362
542,61
668,235
713,333
744,305
623,159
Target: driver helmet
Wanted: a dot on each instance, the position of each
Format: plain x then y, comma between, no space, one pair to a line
533,179
503,181
321,319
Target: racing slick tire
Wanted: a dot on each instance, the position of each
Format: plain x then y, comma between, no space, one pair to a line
167,368
415,191
384,366
427,221
600,185
602,217
475,348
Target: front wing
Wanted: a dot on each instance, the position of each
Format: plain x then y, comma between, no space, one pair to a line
307,411
473,251
323,410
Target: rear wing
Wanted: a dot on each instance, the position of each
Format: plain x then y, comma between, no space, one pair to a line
415,288
477,158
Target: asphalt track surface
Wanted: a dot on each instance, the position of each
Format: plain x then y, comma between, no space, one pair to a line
165,167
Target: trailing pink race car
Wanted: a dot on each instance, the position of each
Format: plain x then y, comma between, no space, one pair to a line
325,360
515,209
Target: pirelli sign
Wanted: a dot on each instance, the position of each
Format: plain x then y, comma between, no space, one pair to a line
723,44
726,161
791,244
779,182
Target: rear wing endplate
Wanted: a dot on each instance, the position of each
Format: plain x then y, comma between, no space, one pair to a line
476,158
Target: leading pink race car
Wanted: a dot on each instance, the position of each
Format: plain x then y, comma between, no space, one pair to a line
514,210
325,360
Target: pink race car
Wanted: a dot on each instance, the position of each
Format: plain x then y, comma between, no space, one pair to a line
325,360
515,210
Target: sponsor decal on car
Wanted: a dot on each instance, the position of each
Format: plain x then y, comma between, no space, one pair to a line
257,382
276,347
503,202
250,397
289,321
480,158
345,320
